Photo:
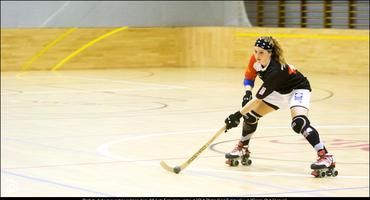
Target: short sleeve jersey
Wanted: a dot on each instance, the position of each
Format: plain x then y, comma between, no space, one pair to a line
275,77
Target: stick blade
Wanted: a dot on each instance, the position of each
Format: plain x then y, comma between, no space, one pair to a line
167,167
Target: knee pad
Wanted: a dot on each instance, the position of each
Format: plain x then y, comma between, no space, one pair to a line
251,117
250,123
248,128
300,123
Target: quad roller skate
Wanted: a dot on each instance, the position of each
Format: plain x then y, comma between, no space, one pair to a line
240,152
324,166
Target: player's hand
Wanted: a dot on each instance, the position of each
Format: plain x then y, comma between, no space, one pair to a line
233,120
247,97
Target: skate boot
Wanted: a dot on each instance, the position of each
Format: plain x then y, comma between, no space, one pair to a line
241,152
324,166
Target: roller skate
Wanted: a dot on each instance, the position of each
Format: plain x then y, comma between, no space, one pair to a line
324,166
239,152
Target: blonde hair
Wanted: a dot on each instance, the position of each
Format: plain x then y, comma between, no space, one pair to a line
277,53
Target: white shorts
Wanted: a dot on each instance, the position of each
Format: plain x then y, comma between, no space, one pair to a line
298,97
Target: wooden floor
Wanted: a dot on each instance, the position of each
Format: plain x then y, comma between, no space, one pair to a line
103,133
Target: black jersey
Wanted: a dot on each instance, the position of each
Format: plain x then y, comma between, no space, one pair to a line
280,79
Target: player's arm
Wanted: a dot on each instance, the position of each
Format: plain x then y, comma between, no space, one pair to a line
249,77
266,89
250,74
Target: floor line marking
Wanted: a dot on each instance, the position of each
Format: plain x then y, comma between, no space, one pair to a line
55,183
104,150
122,81
307,191
79,50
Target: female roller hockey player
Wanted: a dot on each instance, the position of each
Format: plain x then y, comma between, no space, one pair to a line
282,86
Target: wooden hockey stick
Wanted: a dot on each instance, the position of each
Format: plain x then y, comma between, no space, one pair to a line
177,169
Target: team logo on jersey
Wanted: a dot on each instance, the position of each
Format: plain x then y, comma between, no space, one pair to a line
262,90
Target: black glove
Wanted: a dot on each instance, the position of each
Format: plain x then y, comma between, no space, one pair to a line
233,120
247,97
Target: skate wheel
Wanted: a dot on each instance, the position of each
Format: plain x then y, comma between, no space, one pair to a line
247,162
234,163
322,174
329,173
335,173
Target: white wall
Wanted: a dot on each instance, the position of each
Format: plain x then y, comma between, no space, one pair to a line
122,13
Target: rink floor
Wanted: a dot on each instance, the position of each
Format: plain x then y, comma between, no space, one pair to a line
103,133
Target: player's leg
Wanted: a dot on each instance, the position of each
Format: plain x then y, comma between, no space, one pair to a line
301,124
249,127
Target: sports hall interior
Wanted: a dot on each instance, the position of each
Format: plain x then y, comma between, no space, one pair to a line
90,106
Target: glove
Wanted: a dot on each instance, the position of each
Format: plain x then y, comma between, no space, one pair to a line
247,97
233,120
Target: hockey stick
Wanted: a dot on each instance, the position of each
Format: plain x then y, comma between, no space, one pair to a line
177,169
